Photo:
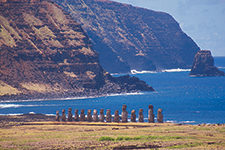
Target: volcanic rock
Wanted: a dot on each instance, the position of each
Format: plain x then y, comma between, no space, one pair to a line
203,65
45,54
128,37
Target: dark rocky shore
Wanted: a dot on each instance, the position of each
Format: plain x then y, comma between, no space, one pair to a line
119,85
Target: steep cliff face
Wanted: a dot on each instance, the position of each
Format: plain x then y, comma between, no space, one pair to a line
129,37
203,65
46,53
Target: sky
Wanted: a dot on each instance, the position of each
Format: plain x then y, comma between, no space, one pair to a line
202,20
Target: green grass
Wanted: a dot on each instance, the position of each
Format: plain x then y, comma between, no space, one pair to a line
150,137
106,138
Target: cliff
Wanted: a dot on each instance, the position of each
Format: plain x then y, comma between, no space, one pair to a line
203,65
45,53
128,37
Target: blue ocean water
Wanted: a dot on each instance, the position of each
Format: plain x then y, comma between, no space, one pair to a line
184,99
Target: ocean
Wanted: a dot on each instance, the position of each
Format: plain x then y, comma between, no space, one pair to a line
184,99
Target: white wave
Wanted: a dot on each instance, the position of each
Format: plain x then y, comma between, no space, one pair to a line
176,70
141,72
14,105
19,105
50,114
121,94
11,114
221,67
187,122
170,121
32,112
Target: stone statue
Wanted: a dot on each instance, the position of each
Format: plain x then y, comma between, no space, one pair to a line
82,115
101,116
89,116
108,115
124,113
95,116
116,116
141,116
63,115
133,116
76,115
70,115
151,116
160,116
57,117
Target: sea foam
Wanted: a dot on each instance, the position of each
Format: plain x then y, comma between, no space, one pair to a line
176,70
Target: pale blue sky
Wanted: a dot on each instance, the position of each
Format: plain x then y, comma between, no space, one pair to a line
202,20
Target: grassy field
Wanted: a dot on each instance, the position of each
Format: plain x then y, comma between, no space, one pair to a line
83,135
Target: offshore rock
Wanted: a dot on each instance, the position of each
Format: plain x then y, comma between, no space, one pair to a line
45,54
203,65
132,38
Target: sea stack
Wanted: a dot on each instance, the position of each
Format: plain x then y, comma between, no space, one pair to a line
203,65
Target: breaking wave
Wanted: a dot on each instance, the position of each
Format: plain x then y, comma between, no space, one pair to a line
19,105
182,122
141,72
166,70
176,70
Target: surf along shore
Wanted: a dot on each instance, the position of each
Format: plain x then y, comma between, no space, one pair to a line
38,131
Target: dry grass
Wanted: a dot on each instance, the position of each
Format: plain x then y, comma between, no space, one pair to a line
83,135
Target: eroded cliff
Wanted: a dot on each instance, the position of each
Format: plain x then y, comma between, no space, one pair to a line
45,53
128,37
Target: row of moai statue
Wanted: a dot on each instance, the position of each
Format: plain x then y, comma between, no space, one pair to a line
108,117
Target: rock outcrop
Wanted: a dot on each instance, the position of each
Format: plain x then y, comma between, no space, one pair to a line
45,54
128,37
203,65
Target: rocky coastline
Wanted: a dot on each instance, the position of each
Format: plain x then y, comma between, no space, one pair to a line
120,85
46,54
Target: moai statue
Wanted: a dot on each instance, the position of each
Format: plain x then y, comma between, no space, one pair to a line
70,115
133,116
160,116
76,115
101,116
108,115
57,116
141,116
89,116
151,116
95,116
116,116
124,113
63,115
82,115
